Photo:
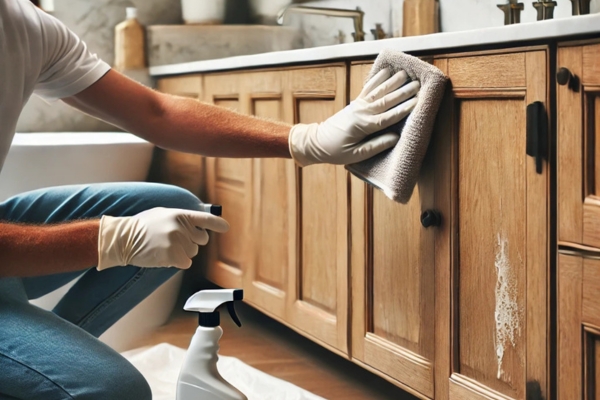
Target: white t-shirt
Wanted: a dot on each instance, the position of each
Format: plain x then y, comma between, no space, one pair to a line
38,54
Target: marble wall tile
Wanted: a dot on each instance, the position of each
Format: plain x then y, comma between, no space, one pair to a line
94,22
169,44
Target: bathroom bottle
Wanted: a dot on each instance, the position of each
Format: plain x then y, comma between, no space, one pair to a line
129,43
199,377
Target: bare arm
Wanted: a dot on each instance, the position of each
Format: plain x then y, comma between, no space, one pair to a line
180,123
33,250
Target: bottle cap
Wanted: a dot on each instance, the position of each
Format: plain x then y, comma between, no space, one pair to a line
131,12
206,303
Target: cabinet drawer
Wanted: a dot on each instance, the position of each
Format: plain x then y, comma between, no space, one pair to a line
578,124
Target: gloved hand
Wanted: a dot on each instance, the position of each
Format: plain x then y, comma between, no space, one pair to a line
159,237
343,138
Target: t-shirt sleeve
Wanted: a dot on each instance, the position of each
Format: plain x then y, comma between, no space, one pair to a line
68,66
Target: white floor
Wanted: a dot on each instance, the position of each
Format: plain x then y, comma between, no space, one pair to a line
160,366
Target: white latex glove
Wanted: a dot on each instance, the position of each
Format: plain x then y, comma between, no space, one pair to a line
159,237
343,138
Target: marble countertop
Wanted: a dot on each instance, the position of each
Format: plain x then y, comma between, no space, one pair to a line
551,29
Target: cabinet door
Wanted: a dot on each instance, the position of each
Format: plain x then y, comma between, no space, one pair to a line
578,119
273,221
578,365
393,258
318,280
229,183
500,325
182,169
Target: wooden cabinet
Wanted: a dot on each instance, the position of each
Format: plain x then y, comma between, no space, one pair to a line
459,311
287,246
463,310
500,224
229,183
318,302
273,222
578,280
394,262
578,120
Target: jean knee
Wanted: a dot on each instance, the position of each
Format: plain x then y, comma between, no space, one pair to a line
125,382
176,197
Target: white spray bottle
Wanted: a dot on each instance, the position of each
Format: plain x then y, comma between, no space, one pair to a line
199,377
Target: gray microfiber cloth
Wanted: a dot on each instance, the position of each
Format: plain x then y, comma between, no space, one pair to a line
396,171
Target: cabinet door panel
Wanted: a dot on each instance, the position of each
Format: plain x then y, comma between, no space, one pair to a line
578,146
500,325
229,183
318,301
273,220
406,276
393,274
318,285
492,205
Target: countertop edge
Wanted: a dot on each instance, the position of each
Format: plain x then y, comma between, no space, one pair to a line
551,29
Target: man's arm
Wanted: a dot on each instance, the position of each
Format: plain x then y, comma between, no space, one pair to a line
32,250
180,123
191,126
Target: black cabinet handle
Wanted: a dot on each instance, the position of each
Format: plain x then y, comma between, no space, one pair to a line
537,133
431,218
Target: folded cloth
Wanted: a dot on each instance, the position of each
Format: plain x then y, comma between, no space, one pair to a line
396,171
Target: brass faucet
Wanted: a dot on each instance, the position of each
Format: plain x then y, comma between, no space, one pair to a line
512,12
545,9
580,7
356,15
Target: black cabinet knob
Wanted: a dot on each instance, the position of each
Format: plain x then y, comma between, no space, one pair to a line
431,218
563,76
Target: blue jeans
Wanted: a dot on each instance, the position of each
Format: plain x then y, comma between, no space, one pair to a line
56,355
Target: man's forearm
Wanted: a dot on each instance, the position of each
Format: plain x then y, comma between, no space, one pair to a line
34,250
180,123
202,128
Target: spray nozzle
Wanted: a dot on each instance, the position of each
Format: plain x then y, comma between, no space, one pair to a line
206,303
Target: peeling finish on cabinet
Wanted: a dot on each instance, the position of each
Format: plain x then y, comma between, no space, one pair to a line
507,313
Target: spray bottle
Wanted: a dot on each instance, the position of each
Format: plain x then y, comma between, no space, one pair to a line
199,377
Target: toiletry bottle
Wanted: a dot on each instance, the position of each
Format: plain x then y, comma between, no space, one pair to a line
129,43
199,377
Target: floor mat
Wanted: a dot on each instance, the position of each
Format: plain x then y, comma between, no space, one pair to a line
160,366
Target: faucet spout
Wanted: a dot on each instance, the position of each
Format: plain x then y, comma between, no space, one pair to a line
356,15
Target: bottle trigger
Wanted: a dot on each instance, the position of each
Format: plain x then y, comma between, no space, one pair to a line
234,317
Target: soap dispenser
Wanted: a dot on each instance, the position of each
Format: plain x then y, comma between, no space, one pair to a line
130,43
199,377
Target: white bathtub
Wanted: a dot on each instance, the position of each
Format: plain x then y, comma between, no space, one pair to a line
38,160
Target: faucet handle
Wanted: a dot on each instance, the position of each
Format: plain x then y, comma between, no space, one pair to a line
512,12
378,32
358,36
580,7
545,9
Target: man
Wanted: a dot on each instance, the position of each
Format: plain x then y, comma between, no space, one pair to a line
120,237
